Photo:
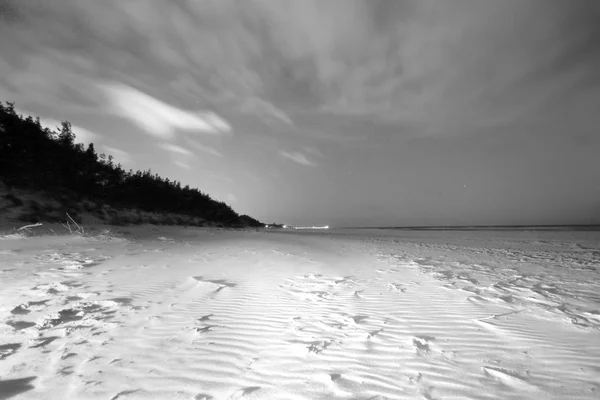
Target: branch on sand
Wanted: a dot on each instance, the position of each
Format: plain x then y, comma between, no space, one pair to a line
27,227
75,229
79,231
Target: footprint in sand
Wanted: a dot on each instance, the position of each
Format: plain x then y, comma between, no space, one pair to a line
43,341
422,344
347,281
124,394
318,346
374,333
69,261
220,283
50,289
203,396
85,314
26,308
398,287
240,393
204,326
13,387
204,318
51,294
358,318
7,350
65,371
317,287
20,325
509,378
335,377
67,355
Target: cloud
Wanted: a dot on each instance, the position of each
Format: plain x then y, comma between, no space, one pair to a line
182,165
175,149
158,118
297,157
82,135
231,198
437,66
203,148
313,151
120,156
216,176
267,111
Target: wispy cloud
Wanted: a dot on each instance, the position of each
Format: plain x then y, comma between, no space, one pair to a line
175,149
158,118
427,63
82,135
204,148
182,165
265,110
217,176
314,151
120,156
297,157
231,198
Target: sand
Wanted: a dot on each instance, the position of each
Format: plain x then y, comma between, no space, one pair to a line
187,313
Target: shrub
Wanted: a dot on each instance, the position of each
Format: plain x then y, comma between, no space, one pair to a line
16,202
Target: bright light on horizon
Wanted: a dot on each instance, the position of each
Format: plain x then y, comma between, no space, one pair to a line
312,227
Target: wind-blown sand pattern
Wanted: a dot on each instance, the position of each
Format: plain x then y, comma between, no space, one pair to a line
197,314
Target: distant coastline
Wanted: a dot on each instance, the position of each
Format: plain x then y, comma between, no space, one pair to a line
488,228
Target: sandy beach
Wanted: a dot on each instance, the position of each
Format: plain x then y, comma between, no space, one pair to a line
190,313
188,191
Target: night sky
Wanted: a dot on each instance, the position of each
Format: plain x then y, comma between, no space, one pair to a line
339,112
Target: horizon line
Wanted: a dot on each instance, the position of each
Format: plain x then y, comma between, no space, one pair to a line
595,225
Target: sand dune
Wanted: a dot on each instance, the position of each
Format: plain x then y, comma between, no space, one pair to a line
198,314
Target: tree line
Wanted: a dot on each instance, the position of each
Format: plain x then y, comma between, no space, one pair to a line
37,158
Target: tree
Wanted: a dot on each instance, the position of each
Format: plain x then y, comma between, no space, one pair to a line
38,158
66,136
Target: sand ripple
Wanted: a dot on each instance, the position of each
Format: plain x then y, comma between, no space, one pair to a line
248,317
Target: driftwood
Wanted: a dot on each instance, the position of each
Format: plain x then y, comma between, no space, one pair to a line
29,226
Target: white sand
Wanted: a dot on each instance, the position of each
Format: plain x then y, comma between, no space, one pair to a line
183,313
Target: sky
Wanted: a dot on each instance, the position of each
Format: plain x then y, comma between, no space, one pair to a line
329,112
